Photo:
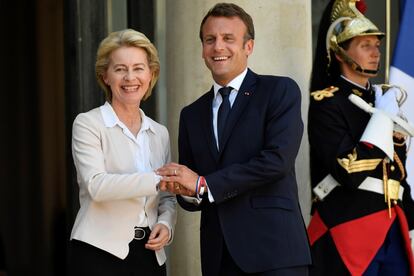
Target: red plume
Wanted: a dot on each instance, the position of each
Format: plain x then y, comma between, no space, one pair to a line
361,6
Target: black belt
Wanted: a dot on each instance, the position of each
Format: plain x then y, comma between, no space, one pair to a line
141,232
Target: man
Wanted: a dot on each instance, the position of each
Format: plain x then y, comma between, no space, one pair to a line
238,152
362,208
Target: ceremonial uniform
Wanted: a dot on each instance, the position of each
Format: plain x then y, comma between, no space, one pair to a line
351,221
362,210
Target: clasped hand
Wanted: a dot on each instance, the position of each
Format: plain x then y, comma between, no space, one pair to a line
178,179
386,101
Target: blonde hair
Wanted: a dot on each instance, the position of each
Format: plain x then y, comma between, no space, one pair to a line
125,38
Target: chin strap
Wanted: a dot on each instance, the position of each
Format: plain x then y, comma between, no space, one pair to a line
355,66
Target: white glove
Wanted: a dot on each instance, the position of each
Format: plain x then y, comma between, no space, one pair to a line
386,102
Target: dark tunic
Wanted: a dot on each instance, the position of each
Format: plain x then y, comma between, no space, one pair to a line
335,126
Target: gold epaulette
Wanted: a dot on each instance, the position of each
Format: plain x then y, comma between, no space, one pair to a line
319,95
357,92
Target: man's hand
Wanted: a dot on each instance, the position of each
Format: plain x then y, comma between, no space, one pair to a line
175,188
178,179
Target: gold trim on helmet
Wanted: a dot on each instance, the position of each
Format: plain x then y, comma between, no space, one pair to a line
348,22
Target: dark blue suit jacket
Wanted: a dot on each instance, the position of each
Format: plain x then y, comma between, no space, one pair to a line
252,179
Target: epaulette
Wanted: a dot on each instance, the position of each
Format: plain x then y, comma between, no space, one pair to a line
357,92
328,92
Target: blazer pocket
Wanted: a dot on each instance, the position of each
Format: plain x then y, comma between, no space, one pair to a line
263,202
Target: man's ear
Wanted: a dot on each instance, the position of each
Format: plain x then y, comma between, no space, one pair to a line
248,46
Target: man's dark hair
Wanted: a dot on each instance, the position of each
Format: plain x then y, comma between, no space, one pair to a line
230,10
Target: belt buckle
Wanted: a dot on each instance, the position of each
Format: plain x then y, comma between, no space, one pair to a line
393,189
139,233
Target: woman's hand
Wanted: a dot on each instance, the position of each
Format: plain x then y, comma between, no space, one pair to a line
159,237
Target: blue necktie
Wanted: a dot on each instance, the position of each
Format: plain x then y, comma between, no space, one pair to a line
223,113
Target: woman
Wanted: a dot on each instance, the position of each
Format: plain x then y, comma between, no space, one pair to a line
360,226
124,221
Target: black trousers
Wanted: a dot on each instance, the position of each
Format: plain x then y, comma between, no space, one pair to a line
229,268
87,260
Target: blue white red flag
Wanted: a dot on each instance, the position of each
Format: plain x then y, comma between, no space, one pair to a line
402,72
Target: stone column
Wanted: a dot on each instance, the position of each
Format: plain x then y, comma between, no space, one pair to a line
282,47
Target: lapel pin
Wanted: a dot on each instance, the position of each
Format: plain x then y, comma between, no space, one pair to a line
247,93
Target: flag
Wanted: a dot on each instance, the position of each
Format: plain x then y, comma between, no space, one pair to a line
402,72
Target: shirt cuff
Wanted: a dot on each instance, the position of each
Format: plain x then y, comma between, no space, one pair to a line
191,199
157,179
209,194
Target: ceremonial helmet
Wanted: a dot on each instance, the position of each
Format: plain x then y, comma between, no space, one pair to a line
348,22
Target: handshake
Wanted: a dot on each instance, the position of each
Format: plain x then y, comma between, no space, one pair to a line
178,179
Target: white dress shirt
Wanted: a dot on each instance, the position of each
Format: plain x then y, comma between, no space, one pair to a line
235,84
140,150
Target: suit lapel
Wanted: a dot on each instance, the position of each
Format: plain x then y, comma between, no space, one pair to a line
207,123
243,96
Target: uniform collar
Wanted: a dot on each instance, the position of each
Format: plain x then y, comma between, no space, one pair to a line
356,84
